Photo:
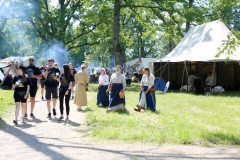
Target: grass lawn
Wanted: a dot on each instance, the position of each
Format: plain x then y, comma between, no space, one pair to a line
182,118
6,100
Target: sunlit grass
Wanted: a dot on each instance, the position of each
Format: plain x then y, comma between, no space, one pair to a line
182,118
6,100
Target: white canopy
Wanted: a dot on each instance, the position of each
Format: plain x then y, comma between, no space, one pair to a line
145,62
16,60
201,43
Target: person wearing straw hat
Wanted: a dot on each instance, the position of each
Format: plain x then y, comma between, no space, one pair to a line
82,80
21,86
117,87
147,97
102,96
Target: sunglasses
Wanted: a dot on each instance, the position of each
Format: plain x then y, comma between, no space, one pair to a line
31,60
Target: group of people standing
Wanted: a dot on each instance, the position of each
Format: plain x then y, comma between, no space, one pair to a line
117,86
26,82
61,85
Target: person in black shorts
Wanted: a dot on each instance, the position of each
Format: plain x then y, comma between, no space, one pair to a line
73,71
34,74
51,86
42,81
21,86
66,80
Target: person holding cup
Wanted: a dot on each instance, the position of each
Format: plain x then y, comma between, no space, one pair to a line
51,86
21,86
117,87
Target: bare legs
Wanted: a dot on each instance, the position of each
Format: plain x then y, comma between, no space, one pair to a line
42,92
17,110
49,104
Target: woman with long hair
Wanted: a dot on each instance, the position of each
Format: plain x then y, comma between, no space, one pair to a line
82,80
147,95
102,96
117,87
66,81
21,86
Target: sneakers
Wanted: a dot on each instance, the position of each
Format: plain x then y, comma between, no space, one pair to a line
26,116
49,115
54,112
32,116
23,120
72,97
61,118
42,98
67,119
15,122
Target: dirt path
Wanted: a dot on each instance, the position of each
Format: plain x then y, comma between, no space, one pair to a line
43,138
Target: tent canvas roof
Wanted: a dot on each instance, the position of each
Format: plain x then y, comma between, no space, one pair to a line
145,62
4,65
16,60
201,43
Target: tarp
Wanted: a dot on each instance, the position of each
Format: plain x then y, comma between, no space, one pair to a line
16,60
4,65
145,62
201,44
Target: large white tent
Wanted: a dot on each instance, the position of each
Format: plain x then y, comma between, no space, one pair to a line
145,62
198,48
201,44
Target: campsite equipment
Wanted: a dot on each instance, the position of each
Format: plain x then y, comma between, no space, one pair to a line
166,87
159,84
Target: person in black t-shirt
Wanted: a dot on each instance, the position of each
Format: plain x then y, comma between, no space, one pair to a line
42,81
21,86
66,80
34,74
73,72
51,86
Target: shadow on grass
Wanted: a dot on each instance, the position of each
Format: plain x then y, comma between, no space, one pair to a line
222,138
87,110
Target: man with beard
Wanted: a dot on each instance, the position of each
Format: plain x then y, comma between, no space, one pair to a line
34,74
51,76
42,81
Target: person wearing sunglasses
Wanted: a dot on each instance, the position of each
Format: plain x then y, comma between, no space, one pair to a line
34,74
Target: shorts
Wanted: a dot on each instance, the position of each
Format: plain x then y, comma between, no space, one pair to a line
42,83
73,84
33,91
19,98
57,84
51,92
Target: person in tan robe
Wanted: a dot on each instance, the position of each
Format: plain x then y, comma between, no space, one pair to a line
80,97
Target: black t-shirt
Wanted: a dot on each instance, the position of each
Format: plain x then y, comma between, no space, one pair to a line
30,70
23,83
43,70
64,85
50,82
73,71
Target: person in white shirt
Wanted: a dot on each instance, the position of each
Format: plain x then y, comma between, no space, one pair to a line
211,80
88,70
117,85
102,96
147,97
191,80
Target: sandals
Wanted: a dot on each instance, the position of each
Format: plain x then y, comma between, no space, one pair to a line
79,109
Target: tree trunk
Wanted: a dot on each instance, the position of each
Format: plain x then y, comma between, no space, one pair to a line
171,46
188,22
118,51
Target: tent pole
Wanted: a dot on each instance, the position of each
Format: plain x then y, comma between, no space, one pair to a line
168,76
217,72
6,75
186,75
168,70
160,69
234,71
